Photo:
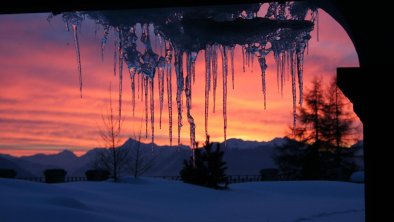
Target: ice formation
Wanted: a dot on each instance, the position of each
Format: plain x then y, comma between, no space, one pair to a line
167,35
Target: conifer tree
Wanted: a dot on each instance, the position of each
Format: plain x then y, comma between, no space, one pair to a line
205,167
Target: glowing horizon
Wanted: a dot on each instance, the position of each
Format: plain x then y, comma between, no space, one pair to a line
41,110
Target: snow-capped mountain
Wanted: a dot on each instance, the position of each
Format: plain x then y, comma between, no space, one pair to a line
242,158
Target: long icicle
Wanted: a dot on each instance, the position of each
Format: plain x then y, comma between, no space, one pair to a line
120,56
224,72
263,66
115,55
180,81
77,51
142,81
188,93
282,72
194,69
293,88
208,52
232,64
169,97
168,53
104,40
146,105
251,59
133,93
138,86
214,73
152,110
243,58
277,71
317,25
193,57
161,70
300,62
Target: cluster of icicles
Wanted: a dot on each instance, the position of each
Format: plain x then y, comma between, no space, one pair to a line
143,65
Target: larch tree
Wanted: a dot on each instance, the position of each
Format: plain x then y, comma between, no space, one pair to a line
114,158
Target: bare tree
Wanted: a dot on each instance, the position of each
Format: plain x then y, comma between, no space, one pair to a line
115,159
140,161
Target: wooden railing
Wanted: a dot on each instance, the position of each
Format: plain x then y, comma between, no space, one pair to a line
42,179
230,178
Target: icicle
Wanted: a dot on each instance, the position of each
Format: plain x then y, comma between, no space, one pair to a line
188,93
243,58
138,86
214,73
169,97
317,24
120,59
161,69
76,44
232,64
282,72
146,105
191,88
224,71
190,67
208,53
104,40
152,110
162,46
179,75
263,66
300,62
247,55
194,70
67,25
169,88
115,55
286,63
252,59
132,86
302,43
276,57
142,86
96,27
293,89
160,94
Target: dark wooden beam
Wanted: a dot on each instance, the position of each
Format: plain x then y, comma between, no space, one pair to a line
58,6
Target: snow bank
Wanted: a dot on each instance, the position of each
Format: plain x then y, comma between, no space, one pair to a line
149,199
357,177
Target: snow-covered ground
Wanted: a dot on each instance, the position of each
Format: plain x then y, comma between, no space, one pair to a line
149,199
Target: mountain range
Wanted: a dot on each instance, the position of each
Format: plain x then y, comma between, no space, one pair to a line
242,158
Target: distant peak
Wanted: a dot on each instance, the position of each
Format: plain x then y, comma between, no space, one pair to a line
279,139
66,152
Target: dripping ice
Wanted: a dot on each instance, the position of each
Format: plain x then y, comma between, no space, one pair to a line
165,41
75,20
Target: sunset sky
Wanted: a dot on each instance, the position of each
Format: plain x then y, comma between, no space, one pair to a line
41,109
